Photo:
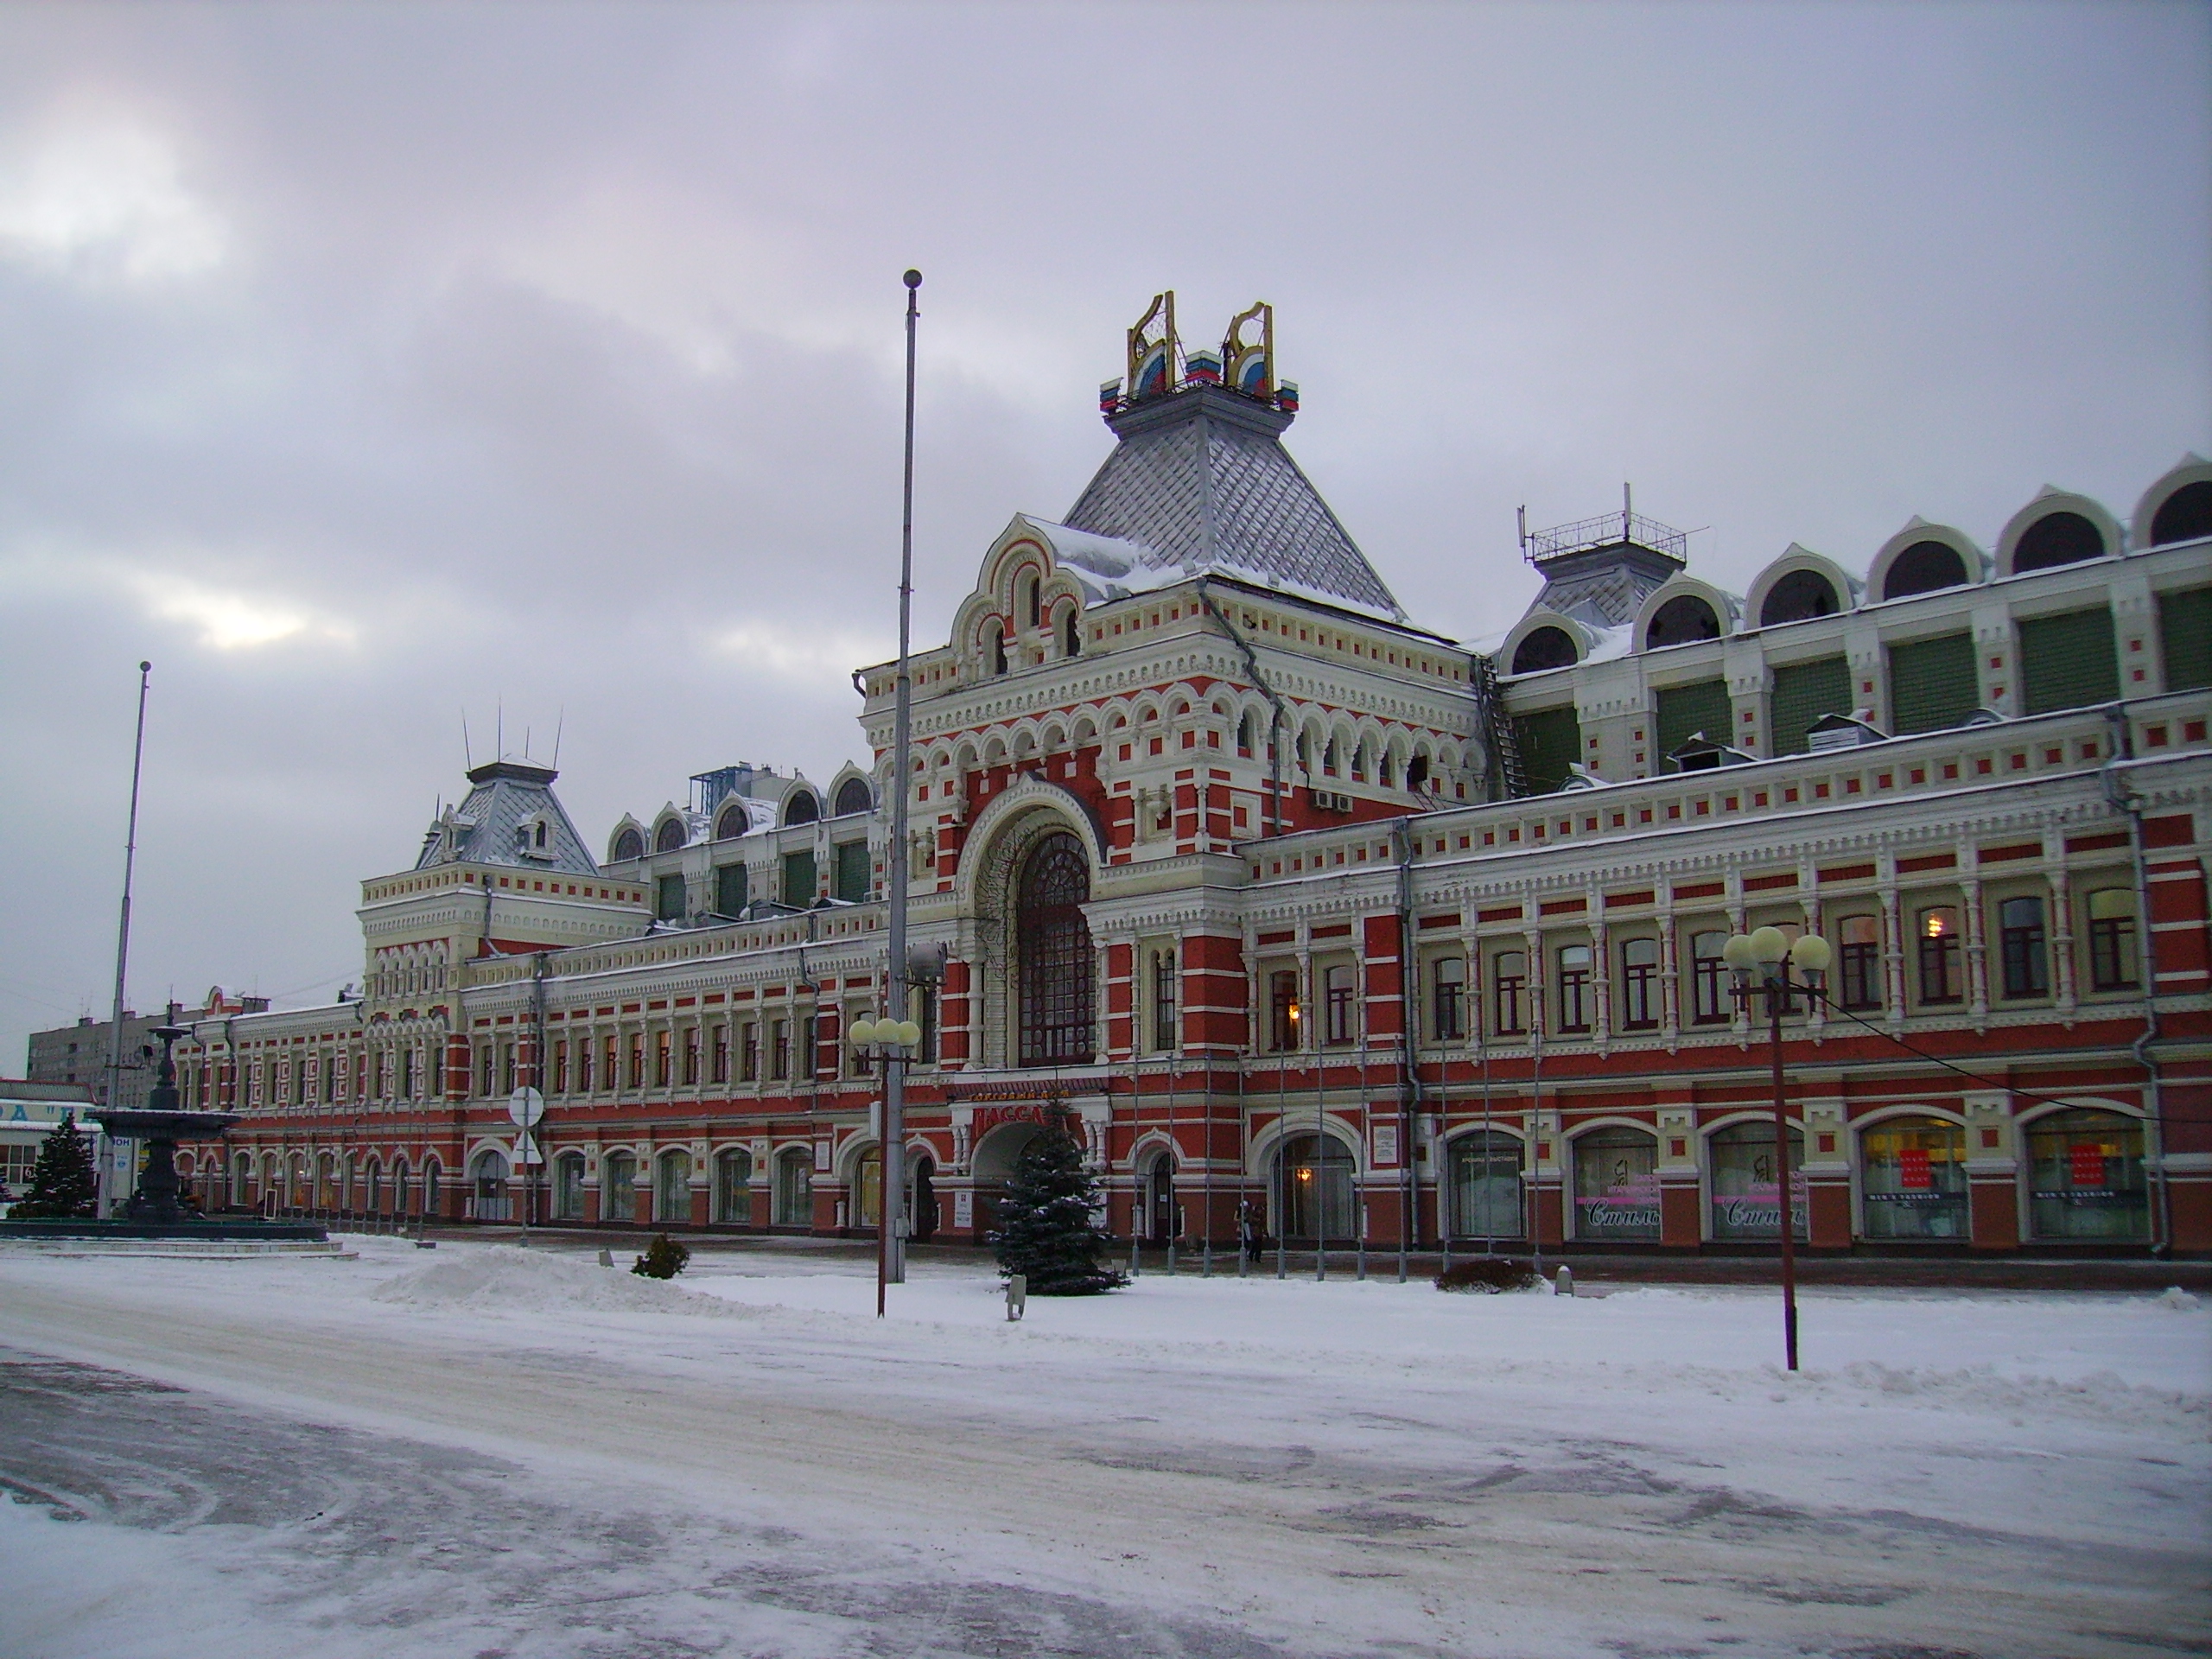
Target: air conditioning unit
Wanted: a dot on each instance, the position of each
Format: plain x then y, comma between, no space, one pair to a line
1328,800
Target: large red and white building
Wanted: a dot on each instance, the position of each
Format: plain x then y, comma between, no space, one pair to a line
1276,898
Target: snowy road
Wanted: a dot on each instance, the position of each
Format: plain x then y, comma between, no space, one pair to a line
1221,1468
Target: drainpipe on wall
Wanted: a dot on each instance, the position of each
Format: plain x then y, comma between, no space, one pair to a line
2120,748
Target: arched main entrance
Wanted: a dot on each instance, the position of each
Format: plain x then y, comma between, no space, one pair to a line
993,1165
1314,1200
922,1172
1054,957
1161,1221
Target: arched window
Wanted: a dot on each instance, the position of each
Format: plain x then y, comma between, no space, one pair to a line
1800,594
618,1188
733,1187
672,1187
1923,568
568,1186
1070,634
998,650
801,807
1162,1221
490,1175
1313,1189
853,797
794,1187
2056,538
627,845
1543,648
1913,1179
733,822
1746,1185
1486,1201
1681,620
2085,1176
1053,947
670,836
2183,516
1617,1185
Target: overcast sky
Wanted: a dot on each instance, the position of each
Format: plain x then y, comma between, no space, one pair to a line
361,365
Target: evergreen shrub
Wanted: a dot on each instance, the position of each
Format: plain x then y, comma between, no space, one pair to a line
1048,1230
65,1186
1489,1274
663,1258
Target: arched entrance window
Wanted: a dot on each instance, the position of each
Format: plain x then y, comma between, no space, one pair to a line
672,1188
733,1187
432,1173
923,1172
1617,1185
794,1187
618,1188
992,1165
1486,1200
2085,1174
1160,1221
489,1176
1746,1193
568,1186
1913,1179
1053,955
399,1186
376,1186
1313,1189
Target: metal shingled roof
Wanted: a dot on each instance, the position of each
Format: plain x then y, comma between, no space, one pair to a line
1200,480
481,829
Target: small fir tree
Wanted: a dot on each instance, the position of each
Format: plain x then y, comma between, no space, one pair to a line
1048,1230
64,1184
663,1258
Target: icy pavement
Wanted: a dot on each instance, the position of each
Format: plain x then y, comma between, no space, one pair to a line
477,1452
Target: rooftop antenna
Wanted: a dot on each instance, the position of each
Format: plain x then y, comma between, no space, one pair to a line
559,722
467,760
500,729
526,742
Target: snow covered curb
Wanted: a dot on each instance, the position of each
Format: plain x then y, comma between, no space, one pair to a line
499,1277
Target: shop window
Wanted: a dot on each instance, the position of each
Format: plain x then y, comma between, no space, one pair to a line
733,1187
2021,945
1509,992
1617,1185
1340,1014
1913,1179
1639,984
794,1187
1746,1191
568,1186
2112,965
618,1188
1574,988
1858,962
1711,1001
867,1189
672,1188
1937,935
1448,999
1315,1201
2085,1176
1486,1193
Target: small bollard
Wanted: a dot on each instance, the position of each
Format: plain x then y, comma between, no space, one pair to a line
1017,1296
1566,1284
606,1257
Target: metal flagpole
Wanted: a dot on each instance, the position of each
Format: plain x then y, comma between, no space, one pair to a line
123,928
891,1252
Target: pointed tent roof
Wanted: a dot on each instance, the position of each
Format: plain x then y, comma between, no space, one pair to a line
504,796
1200,482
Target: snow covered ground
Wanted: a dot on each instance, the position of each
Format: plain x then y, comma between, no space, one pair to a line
483,1452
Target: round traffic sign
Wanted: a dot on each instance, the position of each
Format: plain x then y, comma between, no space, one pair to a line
525,1106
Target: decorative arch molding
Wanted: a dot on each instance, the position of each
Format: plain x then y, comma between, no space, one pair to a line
1750,1115
1917,531
2028,525
1726,607
1846,588
1583,638
1875,1119
2191,479
1259,1154
1610,1120
1150,1144
2083,1103
620,850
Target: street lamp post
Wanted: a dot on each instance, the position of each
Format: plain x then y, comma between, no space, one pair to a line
1767,956
893,1042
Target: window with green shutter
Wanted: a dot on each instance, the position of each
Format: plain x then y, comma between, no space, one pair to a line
729,889
2185,638
1932,683
2068,661
1802,693
1686,710
799,879
852,871
1550,741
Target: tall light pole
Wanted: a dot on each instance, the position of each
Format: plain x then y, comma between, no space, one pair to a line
1768,955
123,927
890,1254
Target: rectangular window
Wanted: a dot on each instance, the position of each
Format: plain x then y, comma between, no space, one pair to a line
799,879
1858,962
2021,943
926,1017
1711,1001
668,902
1639,984
1548,740
1283,1011
1508,981
1938,934
506,1068
809,1053
561,1068
1683,711
729,889
484,1070
853,872
779,1051
1802,693
407,1074
1574,988
2185,638
748,1053
1341,1024
719,1055
2068,661
690,1055
1448,1000
2112,940
662,1041
637,1074
1165,1036
1932,683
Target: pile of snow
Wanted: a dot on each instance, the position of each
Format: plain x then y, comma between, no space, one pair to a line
501,1276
